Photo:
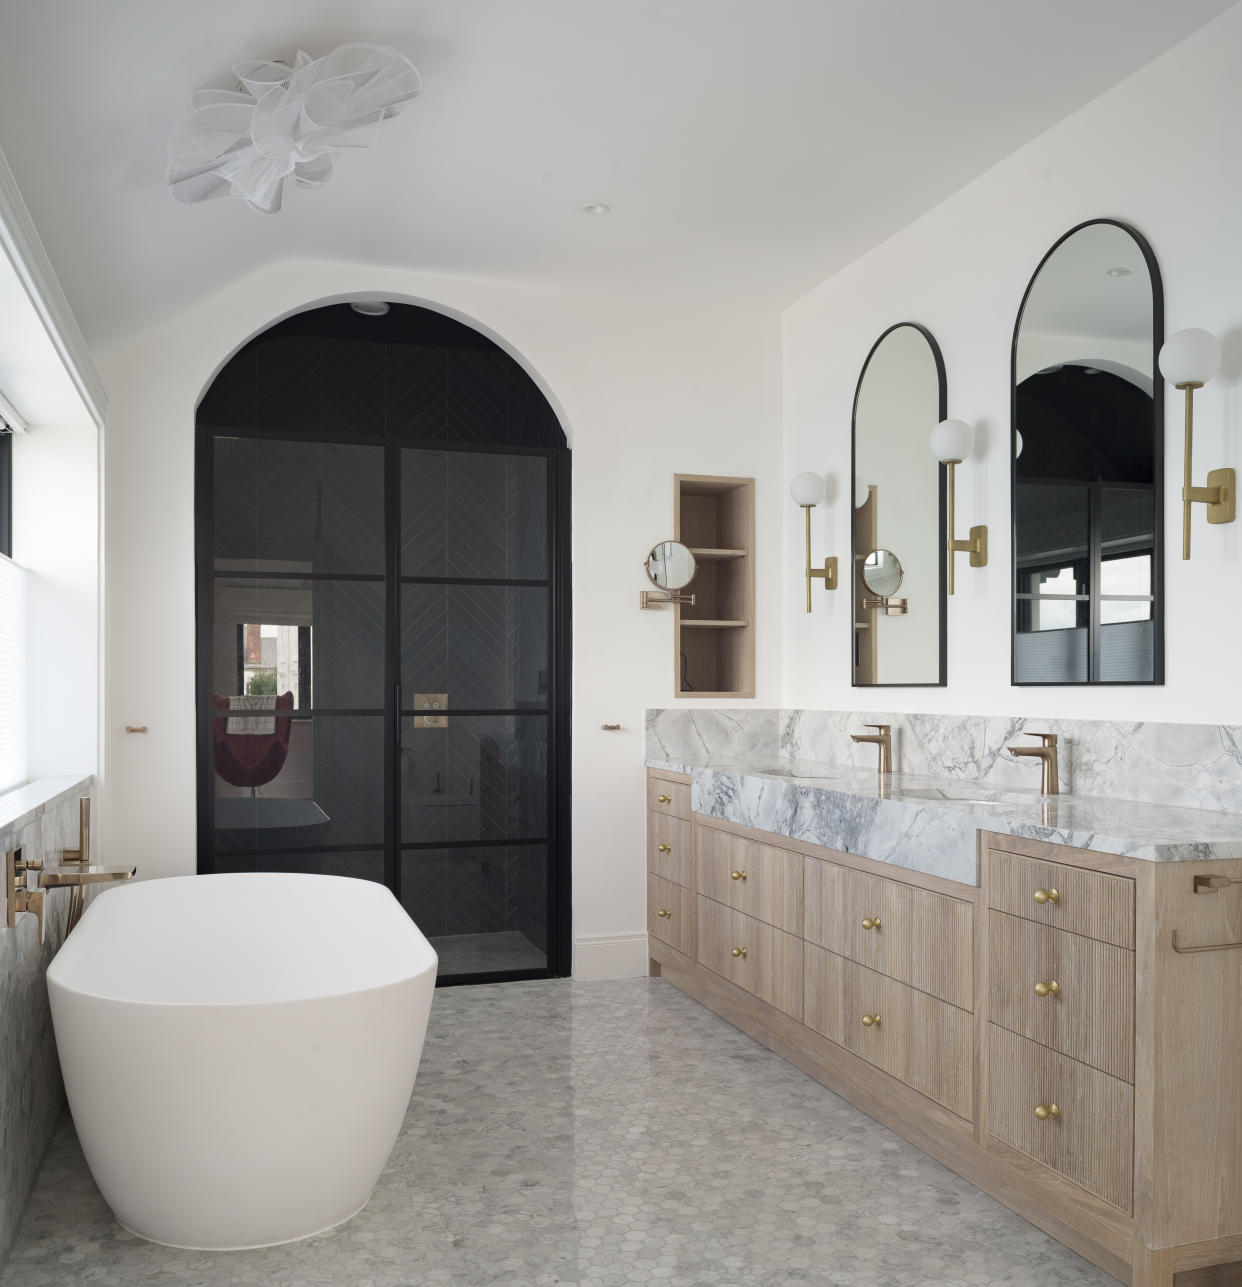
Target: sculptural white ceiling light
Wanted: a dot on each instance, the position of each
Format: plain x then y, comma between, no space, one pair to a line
286,122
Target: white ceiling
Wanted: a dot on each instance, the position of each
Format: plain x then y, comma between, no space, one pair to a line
748,147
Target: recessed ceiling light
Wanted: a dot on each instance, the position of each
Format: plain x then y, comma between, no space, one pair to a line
1120,271
369,307
595,208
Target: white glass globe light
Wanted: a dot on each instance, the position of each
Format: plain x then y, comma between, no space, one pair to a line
807,489
951,440
1191,356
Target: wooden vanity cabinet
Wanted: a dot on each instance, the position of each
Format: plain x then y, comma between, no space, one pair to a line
1039,1034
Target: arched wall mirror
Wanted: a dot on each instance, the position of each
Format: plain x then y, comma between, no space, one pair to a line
1087,451
899,511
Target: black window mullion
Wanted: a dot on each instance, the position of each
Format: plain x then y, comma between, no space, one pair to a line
1094,540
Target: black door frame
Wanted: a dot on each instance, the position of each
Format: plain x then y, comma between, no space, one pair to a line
559,712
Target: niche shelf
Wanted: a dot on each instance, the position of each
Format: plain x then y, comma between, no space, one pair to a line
714,641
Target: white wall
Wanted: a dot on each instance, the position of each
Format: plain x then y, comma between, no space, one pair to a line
647,387
1158,152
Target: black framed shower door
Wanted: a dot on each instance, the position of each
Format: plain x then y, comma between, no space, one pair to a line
404,607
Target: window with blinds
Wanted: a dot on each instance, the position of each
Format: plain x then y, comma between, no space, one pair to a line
12,674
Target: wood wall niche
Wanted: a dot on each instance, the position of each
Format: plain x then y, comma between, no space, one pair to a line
714,641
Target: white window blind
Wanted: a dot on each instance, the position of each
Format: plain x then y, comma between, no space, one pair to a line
12,674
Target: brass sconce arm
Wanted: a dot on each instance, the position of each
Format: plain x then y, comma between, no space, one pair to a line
1220,494
1188,360
827,574
976,545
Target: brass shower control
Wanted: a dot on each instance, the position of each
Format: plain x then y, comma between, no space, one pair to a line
426,710
19,897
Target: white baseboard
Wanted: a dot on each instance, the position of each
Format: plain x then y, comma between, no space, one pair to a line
610,956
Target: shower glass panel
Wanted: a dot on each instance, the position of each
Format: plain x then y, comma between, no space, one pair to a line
474,642
382,546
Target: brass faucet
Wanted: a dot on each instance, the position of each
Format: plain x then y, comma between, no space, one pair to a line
883,738
1046,752
76,873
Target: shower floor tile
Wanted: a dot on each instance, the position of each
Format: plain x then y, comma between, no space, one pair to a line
602,1134
476,953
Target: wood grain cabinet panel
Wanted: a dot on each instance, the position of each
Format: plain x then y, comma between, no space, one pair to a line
1090,1139
670,913
668,797
1086,902
922,938
922,1041
769,961
670,848
1088,1014
760,880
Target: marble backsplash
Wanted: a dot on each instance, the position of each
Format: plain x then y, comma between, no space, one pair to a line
1195,765
31,1093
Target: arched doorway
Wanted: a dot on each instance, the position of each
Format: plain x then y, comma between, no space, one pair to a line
382,546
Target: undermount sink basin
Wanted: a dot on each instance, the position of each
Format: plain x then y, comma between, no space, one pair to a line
947,797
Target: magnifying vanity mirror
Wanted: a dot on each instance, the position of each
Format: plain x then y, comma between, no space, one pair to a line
882,573
671,566
1087,474
899,513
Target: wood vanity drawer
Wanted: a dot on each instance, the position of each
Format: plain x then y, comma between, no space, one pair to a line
769,961
1084,902
923,939
1090,1140
922,1041
670,910
1089,1015
670,848
668,797
760,880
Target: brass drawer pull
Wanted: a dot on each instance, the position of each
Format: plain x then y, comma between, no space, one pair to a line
1045,1111
665,849
740,951
665,799
739,875
871,1020
1050,989
871,922
1047,896
664,911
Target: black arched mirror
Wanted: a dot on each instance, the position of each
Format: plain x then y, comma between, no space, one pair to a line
1087,450
899,512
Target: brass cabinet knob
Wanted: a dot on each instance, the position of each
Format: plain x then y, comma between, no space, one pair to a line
1050,989
871,922
1045,1111
740,951
1047,896
871,1020
739,875
665,849
664,911
665,799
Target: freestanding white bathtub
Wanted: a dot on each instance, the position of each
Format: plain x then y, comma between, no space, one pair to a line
239,1050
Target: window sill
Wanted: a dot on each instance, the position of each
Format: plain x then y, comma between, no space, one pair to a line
23,804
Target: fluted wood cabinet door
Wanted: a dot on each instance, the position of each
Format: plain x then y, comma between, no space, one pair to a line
1085,1006
768,962
761,880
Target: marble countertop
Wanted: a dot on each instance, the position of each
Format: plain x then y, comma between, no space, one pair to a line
929,824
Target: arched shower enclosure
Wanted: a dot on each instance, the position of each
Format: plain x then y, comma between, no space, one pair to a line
382,546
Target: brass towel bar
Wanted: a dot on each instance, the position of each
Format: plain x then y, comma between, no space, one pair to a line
1206,947
1210,884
